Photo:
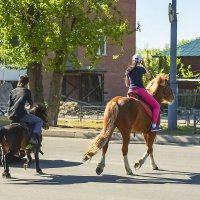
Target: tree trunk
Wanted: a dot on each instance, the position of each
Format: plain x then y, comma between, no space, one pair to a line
34,72
54,97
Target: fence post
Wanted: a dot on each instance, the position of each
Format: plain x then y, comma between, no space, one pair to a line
188,117
195,122
81,113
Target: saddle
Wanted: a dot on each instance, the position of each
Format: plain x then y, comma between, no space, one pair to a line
33,142
27,127
146,106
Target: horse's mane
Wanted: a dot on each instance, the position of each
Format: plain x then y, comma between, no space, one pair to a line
38,107
152,86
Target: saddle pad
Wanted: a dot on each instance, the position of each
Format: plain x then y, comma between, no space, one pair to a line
145,106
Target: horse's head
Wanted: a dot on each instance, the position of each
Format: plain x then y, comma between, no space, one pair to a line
160,88
40,111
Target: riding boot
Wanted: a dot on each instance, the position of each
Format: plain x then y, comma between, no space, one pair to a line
34,141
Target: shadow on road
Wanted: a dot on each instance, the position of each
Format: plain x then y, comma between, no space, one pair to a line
46,163
150,178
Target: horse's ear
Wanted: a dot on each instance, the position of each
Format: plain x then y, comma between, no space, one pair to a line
168,76
163,79
163,82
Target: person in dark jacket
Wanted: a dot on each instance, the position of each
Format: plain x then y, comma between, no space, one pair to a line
17,112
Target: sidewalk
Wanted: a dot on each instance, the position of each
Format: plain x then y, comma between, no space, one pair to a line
91,133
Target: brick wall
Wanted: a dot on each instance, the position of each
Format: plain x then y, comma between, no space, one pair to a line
114,76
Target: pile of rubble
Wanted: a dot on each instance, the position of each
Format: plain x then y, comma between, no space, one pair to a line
68,108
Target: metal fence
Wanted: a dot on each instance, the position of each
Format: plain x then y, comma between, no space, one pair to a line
188,117
185,116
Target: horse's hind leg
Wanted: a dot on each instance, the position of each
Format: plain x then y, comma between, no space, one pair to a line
126,140
38,170
149,143
101,164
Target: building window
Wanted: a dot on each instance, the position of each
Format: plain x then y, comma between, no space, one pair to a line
102,47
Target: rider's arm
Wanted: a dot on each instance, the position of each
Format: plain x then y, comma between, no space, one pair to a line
148,73
127,81
29,98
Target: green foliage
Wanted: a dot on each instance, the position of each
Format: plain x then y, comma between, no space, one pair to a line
155,62
31,29
158,63
186,72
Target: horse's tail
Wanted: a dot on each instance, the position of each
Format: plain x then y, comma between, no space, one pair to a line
110,116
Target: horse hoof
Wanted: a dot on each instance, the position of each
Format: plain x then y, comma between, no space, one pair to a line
25,166
156,168
22,154
39,171
99,170
129,173
6,175
137,165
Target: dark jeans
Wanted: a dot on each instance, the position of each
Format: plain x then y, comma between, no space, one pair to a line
35,121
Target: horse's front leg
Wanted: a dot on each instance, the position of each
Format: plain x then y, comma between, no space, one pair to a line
149,140
28,161
141,161
152,162
5,161
38,169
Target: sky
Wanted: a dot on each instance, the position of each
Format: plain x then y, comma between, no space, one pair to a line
155,26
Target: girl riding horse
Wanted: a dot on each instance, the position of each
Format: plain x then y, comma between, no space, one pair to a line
134,81
129,115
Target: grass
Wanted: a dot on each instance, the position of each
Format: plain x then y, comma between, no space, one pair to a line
87,124
92,124
97,124
182,130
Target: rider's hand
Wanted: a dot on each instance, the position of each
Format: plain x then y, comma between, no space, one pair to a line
127,72
142,62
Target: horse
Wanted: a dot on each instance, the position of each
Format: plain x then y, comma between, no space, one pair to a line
15,137
130,114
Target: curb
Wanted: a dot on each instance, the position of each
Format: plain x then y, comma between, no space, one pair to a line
92,133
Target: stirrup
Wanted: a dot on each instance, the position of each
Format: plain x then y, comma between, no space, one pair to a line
29,147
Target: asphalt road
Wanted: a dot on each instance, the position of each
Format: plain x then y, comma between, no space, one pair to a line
65,177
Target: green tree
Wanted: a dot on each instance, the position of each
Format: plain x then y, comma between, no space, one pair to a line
44,35
157,63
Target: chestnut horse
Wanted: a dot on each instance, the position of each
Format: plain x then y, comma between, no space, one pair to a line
15,138
129,115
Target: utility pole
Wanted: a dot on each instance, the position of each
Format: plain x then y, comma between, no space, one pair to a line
172,108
